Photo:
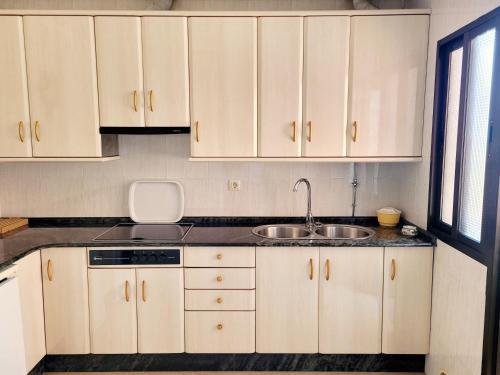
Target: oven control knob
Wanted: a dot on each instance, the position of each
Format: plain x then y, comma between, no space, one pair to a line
134,258
144,258
153,258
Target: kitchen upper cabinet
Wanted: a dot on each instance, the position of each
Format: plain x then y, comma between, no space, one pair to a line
326,67
113,314
350,300
223,77
165,62
280,86
120,72
160,310
407,300
15,134
62,82
287,299
31,297
388,57
65,293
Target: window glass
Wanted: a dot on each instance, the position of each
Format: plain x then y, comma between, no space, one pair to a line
476,134
451,126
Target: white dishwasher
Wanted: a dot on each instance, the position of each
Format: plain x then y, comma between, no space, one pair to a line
12,356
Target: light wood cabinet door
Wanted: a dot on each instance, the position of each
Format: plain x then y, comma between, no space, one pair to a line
350,300
407,300
287,299
15,135
326,68
113,315
280,86
160,310
65,296
387,94
119,68
223,77
166,82
31,296
60,56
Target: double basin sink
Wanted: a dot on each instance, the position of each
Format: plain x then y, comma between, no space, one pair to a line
320,232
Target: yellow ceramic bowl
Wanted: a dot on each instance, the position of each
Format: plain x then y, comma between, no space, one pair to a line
388,217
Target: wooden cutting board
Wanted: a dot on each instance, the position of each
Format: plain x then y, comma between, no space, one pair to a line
12,224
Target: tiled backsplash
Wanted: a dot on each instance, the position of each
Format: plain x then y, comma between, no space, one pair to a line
101,189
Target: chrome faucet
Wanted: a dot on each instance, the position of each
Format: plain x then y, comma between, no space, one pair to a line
309,216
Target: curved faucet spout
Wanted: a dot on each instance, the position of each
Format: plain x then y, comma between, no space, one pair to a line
309,216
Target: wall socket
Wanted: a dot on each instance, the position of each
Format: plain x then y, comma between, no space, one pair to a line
234,185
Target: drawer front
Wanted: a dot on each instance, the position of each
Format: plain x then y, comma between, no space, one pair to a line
219,257
220,300
220,331
219,278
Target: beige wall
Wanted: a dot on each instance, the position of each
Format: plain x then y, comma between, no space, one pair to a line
100,189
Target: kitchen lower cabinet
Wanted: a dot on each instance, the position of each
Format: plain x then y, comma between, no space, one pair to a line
15,135
350,300
113,313
31,297
388,61
407,300
65,297
287,299
62,82
223,80
160,310
220,331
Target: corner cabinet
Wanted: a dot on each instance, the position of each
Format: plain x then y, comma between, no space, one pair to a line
223,78
387,94
65,295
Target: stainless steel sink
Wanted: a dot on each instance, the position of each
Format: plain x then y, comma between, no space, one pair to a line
344,232
322,232
282,231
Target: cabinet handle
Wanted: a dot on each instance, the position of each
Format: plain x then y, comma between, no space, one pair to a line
220,326
219,256
50,275
196,132
219,279
151,101
20,131
393,269
220,300
355,127
135,100
37,131
311,269
127,291
309,131
294,131
143,290
327,269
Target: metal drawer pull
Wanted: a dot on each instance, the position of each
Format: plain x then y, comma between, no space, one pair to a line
219,300
127,291
135,100
219,256
50,275
143,290
309,131
151,101
327,269
219,279
37,131
196,132
20,131
311,269
220,326
355,135
393,269
294,131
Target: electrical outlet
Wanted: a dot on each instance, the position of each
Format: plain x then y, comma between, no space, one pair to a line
234,185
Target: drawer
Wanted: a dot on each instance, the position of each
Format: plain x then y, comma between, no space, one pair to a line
220,299
219,256
219,278
220,331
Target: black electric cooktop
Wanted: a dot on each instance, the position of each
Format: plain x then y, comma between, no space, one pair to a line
145,233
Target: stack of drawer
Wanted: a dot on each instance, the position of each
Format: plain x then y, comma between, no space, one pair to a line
219,299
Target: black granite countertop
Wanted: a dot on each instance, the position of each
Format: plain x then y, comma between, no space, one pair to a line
65,232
